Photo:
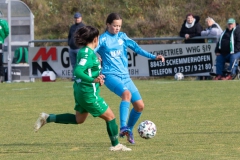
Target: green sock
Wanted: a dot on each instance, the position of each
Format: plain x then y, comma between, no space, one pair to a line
112,129
66,118
51,118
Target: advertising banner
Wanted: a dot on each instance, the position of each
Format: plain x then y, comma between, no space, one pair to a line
189,59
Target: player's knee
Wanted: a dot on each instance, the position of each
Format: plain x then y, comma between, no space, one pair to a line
110,118
138,106
80,121
126,95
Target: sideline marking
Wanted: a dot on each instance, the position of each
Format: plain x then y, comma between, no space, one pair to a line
21,89
162,82
68,86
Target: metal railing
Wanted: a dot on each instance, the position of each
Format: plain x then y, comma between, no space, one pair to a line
135,39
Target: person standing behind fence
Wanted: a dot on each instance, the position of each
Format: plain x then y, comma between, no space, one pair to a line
191,28
228,49
73,48
4,31
213,29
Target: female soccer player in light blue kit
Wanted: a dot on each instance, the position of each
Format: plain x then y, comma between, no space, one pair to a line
112,48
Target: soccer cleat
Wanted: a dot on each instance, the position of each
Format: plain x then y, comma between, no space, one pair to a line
124,131
228,77
218,77
130,138
119,147
42,119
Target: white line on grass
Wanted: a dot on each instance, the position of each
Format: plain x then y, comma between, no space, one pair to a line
161,82
19,89
68,86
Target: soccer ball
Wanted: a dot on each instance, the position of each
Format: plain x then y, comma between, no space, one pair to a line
147,129
179,76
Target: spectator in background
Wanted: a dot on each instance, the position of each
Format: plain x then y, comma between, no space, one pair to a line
73,48
228,49
4,31
213,29
191,28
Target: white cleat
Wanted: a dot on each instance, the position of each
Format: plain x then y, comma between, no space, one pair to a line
42,119
119,147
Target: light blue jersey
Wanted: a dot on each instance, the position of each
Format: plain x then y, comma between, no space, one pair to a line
113,50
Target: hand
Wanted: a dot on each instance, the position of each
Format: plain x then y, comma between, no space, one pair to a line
187,36
101,82
160,57
99,79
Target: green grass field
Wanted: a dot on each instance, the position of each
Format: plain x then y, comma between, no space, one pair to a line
196,120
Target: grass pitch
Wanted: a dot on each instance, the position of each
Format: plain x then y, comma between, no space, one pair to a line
196,120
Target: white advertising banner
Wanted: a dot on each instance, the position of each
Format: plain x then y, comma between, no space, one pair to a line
189,59
54,59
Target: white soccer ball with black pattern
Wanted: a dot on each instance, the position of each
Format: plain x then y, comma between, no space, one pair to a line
147,129
179,76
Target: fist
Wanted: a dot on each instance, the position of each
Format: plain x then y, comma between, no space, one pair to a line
160,57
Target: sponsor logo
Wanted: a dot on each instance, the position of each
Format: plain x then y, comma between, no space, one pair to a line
82,62
120,41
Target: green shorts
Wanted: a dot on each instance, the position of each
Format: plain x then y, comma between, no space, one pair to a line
87,100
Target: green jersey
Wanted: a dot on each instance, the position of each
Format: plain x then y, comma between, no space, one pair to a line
88,66
4,30
86,92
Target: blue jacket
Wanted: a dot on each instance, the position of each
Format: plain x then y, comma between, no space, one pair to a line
113,50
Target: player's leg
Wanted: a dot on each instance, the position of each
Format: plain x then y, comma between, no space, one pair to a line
81,117
116,85
66,118
137,103
100,109
112,130
124,112
136,111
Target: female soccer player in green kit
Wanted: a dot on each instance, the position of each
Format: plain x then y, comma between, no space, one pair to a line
86,90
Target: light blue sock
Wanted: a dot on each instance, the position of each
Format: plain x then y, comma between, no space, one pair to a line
133,118
124,111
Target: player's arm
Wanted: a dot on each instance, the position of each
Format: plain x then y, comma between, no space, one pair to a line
82,67
81,70
137,49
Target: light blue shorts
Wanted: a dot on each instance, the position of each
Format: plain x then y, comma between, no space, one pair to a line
119,83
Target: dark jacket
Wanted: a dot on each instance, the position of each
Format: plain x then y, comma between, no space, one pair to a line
71,33
194,31
225,42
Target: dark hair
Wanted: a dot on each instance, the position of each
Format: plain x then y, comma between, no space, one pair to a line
113,16
189,14
85,35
